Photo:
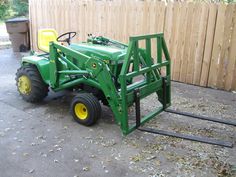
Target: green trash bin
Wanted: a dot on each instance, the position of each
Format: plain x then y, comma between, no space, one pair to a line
18,29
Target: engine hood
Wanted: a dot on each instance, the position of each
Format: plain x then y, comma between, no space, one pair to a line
100,51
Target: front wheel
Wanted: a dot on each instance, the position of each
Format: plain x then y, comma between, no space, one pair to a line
30,84
85,109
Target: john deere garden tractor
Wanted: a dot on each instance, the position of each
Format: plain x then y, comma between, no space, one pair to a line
101,70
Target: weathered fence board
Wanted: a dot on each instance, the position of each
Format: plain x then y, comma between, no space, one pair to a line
208,44
201,37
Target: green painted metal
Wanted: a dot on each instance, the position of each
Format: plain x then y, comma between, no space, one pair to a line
110,66
153,78
42,64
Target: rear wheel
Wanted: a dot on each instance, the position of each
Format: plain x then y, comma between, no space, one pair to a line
30,84
85,109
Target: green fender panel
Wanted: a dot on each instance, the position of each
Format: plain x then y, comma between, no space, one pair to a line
41,62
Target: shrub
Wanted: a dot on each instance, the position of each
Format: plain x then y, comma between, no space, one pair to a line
20,7
4,9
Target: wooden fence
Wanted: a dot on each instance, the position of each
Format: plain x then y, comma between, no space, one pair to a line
201,37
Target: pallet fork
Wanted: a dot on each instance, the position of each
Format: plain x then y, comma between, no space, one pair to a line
186,114
163,90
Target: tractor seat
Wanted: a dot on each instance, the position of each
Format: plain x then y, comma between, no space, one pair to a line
45,36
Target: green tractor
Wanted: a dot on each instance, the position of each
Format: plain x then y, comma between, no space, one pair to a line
99,70
107,71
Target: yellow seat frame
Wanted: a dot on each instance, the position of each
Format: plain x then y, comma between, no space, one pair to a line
45,36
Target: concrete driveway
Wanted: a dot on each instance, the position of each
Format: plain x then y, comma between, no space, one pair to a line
4,37
42,140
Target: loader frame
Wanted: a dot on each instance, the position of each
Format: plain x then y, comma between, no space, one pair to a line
96,73
154,81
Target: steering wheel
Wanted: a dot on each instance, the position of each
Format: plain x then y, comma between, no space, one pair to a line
66,37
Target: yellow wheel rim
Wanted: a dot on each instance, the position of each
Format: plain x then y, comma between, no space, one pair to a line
24,85
81,111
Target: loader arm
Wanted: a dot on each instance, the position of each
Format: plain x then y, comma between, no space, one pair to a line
85,70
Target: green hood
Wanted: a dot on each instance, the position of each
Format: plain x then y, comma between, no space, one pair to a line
100,51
